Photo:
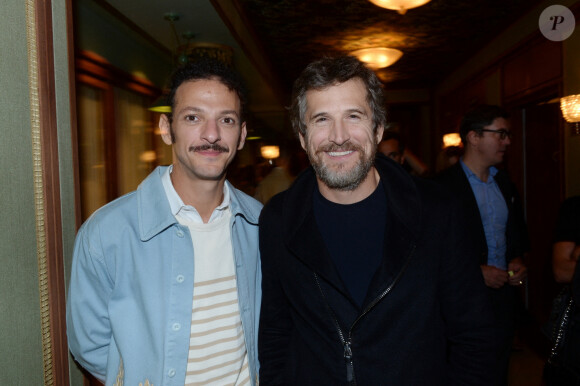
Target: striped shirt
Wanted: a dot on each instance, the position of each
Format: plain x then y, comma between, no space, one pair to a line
217,350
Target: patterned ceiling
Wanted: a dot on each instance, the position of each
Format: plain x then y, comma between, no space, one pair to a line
435,38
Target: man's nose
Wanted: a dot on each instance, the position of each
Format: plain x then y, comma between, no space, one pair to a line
339,133
211,132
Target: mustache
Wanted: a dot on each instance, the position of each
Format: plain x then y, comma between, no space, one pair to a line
213,147
332,147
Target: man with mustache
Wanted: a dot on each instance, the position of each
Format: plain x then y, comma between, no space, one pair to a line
366,276
165,286
496,223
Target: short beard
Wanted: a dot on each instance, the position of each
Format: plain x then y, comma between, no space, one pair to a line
343,180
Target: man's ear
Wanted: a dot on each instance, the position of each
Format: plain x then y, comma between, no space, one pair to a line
165,128
302,140
472,137
379,134
243,133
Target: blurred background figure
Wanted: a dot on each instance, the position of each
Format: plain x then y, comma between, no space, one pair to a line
393,146
448,157
277,180
564,366
567,241
496,225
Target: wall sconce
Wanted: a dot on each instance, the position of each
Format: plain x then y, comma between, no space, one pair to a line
400,6
148,156
570,106
161,104
378,57
270,152
451,139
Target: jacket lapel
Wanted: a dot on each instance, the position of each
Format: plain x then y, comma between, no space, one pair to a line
402,226
302,236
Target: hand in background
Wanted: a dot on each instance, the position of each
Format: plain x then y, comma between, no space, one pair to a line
520,272
494,277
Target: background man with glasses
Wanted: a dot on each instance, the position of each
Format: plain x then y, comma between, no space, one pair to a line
497,229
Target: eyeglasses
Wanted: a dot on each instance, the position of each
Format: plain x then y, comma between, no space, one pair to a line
503,133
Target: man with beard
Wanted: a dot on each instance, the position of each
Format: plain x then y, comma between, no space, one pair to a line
366,276
496,224
165,286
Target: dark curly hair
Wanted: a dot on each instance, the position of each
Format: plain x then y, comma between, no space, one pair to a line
207,68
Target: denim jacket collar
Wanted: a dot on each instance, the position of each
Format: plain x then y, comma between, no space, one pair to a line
155,214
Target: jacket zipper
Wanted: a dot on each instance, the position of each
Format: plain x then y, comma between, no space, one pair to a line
347,342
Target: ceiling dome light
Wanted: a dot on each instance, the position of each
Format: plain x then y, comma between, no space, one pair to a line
400,6
379,57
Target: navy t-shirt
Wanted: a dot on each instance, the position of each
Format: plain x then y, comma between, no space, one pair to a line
354,235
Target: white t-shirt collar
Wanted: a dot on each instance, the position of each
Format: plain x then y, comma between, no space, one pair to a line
187,211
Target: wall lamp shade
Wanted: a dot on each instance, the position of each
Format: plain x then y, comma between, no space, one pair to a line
270,152
570,106
400,6
161,105
451,139
379,57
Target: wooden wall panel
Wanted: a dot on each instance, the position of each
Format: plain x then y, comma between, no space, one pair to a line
532,68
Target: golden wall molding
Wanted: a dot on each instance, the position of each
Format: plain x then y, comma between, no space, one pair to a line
46,191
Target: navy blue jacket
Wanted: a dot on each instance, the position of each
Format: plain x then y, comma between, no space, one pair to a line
426,318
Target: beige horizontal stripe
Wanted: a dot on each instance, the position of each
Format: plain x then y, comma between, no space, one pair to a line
216,305
214,318
217,354
209,332
244,381
207,381
218,366
212,294
214,281
215,342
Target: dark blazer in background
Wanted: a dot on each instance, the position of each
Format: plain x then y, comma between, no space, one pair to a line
517,241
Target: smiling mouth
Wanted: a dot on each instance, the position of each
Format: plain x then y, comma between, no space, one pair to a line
340,153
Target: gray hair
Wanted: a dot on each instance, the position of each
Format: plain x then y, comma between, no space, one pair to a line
328,72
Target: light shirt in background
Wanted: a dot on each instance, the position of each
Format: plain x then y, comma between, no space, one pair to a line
494,214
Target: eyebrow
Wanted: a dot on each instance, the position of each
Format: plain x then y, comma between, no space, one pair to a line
198,110
348,111
321,114
356,110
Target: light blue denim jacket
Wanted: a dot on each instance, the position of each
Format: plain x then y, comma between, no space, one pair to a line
131,288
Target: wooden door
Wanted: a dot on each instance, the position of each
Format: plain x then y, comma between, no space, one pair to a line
536,165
